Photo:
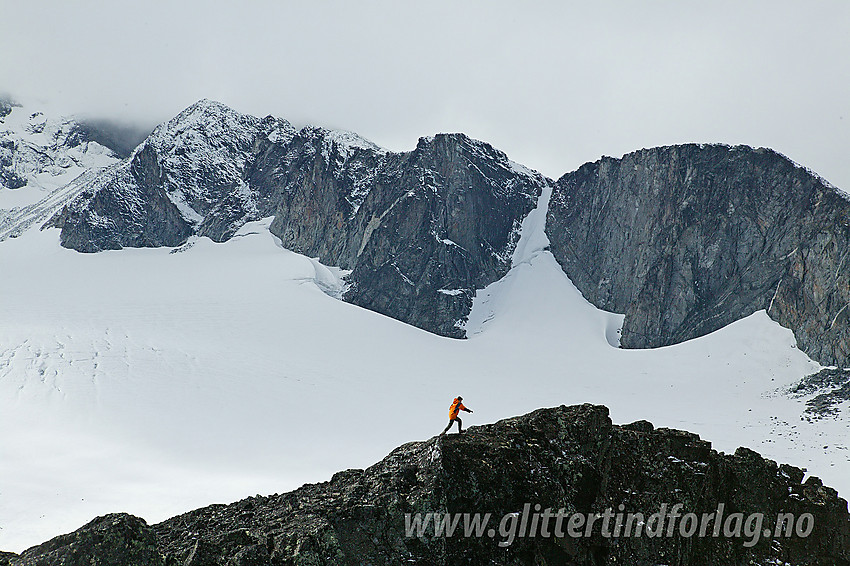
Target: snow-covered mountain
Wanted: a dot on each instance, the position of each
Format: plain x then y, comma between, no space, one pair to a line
40,156
420,231
684,240
157,379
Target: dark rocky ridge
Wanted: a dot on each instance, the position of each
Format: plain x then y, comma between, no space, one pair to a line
566,457
687,239
421,231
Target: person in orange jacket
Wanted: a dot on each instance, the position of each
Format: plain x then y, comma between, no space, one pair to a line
457,406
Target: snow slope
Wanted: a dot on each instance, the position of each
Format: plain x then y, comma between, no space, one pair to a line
153,382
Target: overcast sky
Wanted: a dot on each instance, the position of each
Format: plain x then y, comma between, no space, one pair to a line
553,84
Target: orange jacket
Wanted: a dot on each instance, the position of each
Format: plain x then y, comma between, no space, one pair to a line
456,407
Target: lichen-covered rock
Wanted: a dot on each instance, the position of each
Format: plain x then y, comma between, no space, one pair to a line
570,458
687,239
112,540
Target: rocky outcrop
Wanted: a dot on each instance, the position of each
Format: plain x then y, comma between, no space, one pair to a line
570,458
113,540
420,231
44,161
687,239
684,240
5,107
443,222
827,389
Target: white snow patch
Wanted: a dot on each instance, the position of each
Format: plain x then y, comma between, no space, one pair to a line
452,292
178,198
347,142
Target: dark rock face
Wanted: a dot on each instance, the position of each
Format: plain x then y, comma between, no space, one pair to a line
684,240
567,457
9,177
687,239
442,223
5,108
112,540
421,231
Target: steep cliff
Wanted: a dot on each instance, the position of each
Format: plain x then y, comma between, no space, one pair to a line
687,239
569,458
442,222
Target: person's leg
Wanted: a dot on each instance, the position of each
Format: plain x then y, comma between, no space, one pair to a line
459,424
448,426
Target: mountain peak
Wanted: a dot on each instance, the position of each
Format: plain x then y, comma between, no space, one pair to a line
202,123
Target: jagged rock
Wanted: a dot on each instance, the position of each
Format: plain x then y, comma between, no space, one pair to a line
5,107
443,224
184,179
566,457
112,540
41,158
687,239
684,240
315,183
827,388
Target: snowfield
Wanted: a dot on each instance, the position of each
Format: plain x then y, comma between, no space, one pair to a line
154,381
